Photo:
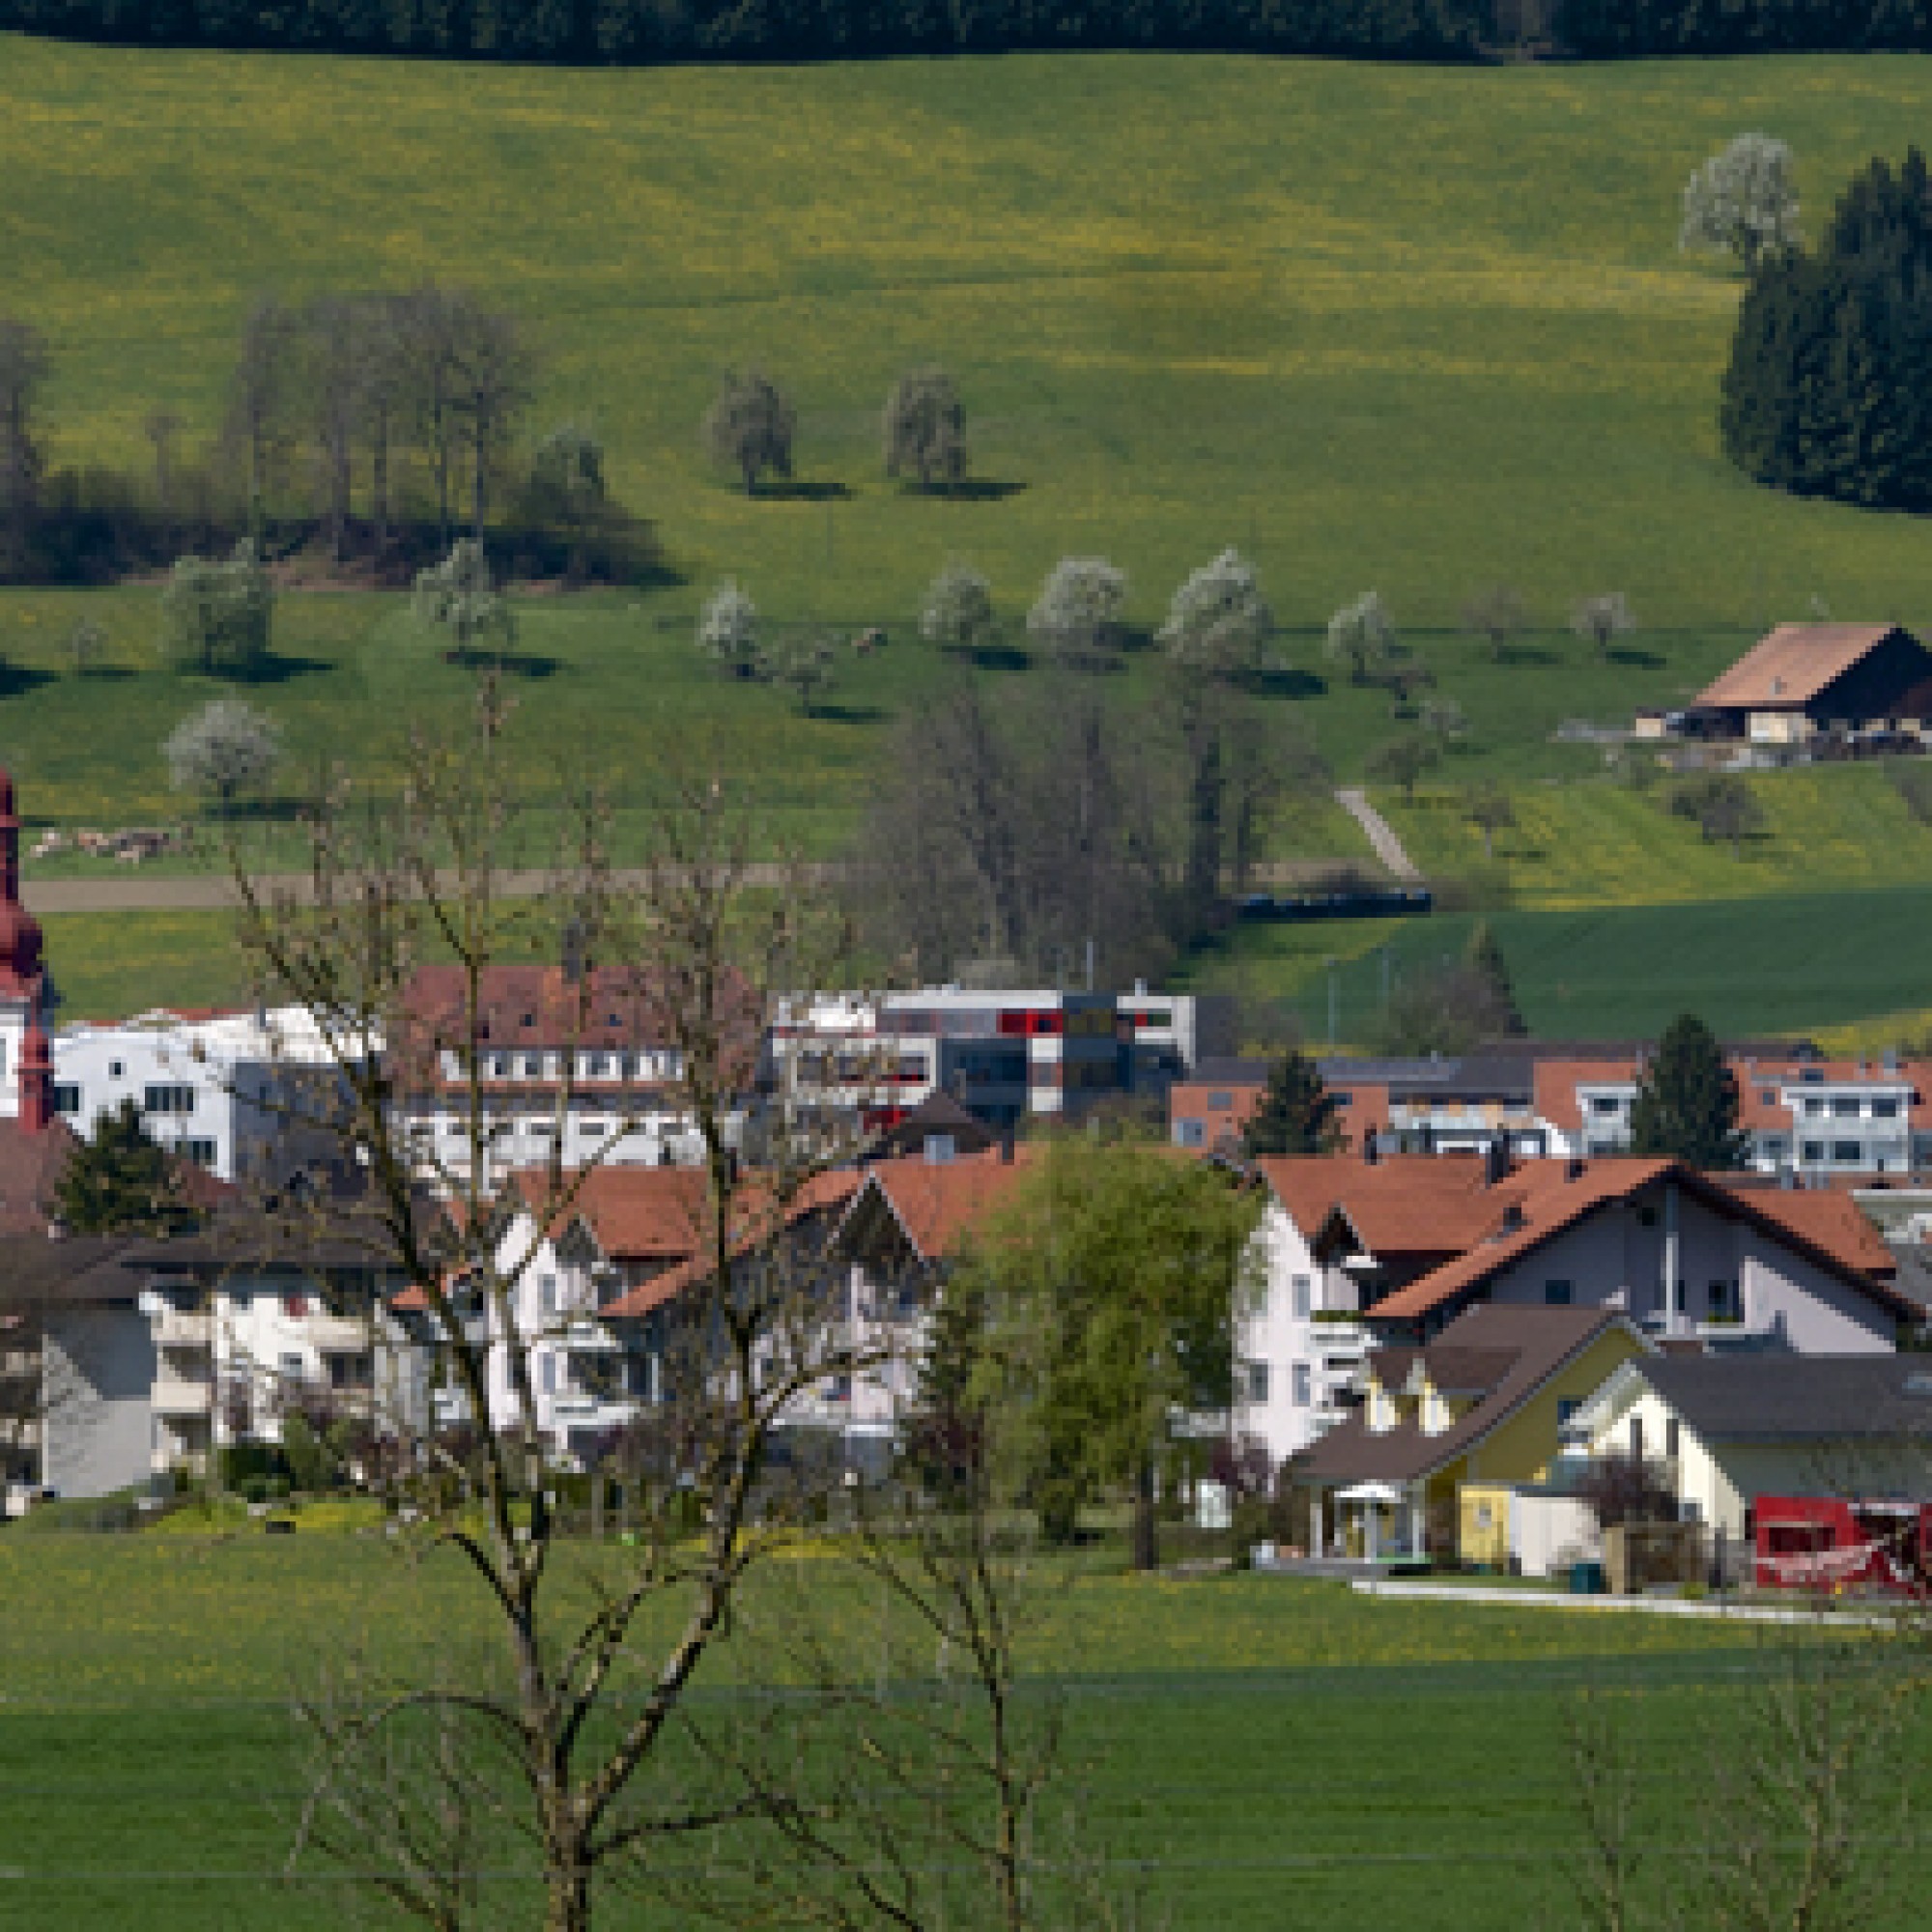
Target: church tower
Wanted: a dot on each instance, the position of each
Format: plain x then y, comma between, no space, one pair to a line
26,1069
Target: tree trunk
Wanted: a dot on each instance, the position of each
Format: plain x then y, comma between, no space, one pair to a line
567,1904
1146,1554
378,477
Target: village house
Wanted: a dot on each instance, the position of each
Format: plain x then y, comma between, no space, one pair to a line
1720,1431
1482,1402
1359,1251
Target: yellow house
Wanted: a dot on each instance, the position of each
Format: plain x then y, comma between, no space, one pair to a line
1447,1429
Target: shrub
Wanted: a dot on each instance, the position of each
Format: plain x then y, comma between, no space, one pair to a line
215,617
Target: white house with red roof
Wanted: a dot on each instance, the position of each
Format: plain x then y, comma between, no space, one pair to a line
1360,1253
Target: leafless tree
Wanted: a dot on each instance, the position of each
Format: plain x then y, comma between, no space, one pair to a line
23,368
587,1712
336,355
261,398
162,428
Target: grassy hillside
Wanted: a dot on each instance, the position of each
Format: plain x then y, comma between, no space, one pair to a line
1409,327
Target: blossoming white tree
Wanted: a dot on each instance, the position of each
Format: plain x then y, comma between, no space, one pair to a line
1743,201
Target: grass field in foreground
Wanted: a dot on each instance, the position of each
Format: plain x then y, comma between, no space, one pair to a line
1266,1754
1801,963
1401,326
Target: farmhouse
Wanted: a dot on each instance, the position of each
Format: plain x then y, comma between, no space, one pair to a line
1803,679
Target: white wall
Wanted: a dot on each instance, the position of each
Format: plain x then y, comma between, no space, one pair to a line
1274,1330
1780,1296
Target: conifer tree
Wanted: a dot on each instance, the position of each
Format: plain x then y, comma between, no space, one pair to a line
119,1182
1484,960
1687,1102
1296,1114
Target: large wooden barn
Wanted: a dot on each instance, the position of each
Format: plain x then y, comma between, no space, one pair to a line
1804,679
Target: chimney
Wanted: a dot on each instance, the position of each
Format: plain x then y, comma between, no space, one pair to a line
1370,1148
36,1080
1574,1167
1495,1160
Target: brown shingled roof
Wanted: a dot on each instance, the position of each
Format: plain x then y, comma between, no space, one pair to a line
1790,667
1512,1348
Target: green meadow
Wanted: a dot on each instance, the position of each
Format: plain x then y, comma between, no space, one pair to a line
1383,326
1245,1752
1420,329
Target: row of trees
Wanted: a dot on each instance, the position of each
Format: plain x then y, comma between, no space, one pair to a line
373,426
1058,828
1829,388
651,31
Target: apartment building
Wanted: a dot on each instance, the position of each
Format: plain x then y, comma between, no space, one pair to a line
250,1097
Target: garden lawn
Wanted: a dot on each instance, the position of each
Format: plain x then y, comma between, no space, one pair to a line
1258,1751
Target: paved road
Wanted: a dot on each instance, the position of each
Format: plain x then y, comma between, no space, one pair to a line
210,891
1380,834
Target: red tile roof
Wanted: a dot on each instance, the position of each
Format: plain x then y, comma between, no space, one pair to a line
936,1203
1542,1198
1401,1204
823,1193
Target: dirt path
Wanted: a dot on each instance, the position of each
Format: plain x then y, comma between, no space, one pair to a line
1380,834
214,891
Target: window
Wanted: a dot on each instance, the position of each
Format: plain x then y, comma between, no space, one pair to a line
67,1099
168,1100
1849,1152
1768,1096
1258,1382
199,1151
1814,1107
1670,1438
1567,1406
1720,1296
1190,1133
1558,1293
499,1065
1299,1381
1302,1290
292,1365
1219,1101
114,1069
548,1374
1845,1107
1604,1104
594,1130
1636,1438
1814,1151
1885,1109
532,1066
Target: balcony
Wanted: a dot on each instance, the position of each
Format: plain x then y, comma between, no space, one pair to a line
183,1329
339,1334
176,1394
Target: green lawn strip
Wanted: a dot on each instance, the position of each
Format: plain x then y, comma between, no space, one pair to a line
1792,963
1600,844
1250,1737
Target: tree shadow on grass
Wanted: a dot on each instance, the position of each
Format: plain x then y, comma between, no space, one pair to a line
1633,658
968,490
1529,654
1281,681
255,812
848,713
529,665
801,490
17,680
104,675
276,667
993,657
